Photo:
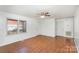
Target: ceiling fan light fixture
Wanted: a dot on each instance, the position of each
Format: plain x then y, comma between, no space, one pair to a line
42,16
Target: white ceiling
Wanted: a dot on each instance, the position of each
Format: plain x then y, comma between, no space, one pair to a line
57,11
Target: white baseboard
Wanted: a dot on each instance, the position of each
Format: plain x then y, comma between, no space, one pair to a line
48,35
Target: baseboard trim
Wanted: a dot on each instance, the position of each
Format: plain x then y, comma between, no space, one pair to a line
47,35
64,36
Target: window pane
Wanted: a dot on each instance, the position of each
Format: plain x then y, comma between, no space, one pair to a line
22,26
12,26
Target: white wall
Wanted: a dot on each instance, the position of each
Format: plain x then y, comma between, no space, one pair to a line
64,25
6,39
76,23
76,30
47,27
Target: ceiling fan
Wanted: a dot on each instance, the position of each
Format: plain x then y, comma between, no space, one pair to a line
44,14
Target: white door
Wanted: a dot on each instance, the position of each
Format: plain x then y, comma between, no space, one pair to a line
59,27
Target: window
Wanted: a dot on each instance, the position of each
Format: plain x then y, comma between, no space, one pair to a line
12,26
22,26
15,26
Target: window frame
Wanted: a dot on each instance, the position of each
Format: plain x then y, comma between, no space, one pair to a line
18,22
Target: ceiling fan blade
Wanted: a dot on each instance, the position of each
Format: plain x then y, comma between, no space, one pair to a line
47,15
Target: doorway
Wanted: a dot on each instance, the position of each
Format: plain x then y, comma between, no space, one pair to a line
65,27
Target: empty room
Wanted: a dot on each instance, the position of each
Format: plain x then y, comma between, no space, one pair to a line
39,28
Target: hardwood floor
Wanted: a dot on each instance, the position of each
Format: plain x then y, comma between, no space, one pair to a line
42,44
